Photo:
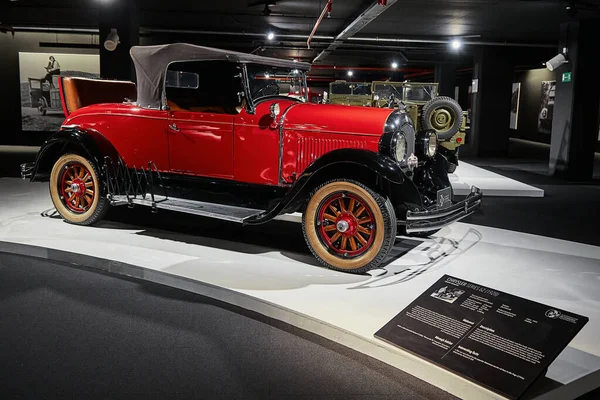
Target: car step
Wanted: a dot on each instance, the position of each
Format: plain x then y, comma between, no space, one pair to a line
211,210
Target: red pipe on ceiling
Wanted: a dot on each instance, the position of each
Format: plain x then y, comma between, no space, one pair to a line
346,68
326,10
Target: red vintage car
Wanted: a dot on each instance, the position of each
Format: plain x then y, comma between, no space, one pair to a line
229,135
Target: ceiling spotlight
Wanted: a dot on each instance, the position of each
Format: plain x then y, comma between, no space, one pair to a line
394,65
270,36
267,11
295,60
456,44
267,75
350,73
112,40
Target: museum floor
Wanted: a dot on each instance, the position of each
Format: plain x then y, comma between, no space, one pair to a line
150,341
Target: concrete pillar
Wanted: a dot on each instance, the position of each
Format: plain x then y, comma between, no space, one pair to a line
445,75
124,17
493,73
577,103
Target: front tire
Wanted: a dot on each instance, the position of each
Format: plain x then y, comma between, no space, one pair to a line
349,227
75,190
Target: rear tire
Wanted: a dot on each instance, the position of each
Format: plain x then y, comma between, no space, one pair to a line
349,227
75,190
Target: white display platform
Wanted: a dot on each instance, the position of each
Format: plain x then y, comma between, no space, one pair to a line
345,308
491,184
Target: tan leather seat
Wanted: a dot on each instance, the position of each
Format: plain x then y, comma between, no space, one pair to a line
82,92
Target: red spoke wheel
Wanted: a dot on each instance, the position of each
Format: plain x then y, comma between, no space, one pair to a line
348,226
75,190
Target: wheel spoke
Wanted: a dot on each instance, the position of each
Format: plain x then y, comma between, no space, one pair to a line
86,177
364,220
68,190
90,192
69,183
330,217
335,237
89,184
71,197
364,230
344,243
330,228
342,204
89,200
352,244
360,210
352,205
81,172
335,210
362,240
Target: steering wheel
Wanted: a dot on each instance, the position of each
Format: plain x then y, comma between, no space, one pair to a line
264,88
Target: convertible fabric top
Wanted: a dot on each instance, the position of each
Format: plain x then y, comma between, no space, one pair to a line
151,63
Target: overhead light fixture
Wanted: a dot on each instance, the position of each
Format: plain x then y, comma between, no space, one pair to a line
267,75
456,44
270,36
394,65
112,40
557,61
350,73
295,60
296,71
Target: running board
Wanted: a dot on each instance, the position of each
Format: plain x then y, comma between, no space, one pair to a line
211,210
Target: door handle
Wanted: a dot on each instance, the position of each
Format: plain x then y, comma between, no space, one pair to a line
174,127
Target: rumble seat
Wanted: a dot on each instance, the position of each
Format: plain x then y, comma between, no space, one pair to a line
82,92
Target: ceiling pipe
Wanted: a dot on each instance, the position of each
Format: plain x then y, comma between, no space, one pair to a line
326,10
346,68
445,41
365,18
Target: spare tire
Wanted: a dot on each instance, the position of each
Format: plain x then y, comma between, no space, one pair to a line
444,115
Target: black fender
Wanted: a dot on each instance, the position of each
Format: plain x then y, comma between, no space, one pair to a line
335,164
451,156
89,144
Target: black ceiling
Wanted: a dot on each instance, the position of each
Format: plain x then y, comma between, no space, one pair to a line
530,22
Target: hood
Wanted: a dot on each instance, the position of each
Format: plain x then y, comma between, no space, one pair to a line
329,118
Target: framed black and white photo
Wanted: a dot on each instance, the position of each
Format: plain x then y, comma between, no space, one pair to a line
546,107
514,108
41,108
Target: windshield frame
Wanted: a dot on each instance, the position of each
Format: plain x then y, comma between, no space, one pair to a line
251,102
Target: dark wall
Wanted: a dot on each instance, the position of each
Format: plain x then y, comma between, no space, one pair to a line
10,111
529,104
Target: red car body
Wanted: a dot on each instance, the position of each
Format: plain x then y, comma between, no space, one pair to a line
225,146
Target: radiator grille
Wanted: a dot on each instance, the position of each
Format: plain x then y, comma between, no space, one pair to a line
309,149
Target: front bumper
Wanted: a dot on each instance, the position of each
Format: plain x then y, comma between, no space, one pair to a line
432,220
27,171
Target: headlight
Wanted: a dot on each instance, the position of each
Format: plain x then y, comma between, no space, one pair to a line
431,144
399,147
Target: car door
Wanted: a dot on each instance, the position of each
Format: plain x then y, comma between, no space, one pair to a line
201,143
201,99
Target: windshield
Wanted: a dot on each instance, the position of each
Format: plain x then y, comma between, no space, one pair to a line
265,81
356,89
385,90
419,92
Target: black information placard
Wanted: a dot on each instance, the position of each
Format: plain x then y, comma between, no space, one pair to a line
498,340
